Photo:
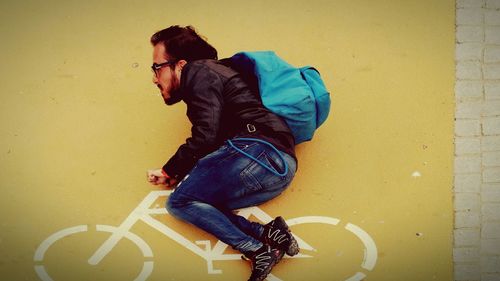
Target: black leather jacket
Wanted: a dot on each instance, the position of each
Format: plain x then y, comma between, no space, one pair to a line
220,106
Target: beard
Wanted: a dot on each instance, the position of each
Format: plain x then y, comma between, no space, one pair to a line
175,93
175,97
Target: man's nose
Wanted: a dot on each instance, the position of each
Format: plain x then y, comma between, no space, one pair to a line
155,79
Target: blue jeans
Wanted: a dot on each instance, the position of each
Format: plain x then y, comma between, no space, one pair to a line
226,180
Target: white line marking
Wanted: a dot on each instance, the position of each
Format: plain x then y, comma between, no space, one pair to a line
145,272
271,277
210,264
146,250
370,248
40,252
40,270
172,234
310,219
357,277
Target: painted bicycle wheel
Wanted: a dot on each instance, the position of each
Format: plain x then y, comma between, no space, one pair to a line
344,252
64,256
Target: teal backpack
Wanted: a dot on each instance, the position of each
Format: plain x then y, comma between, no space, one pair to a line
298,95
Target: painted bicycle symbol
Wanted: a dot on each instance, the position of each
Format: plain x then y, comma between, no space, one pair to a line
203,248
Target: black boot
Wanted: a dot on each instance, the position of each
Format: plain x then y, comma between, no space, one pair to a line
277,234
263,261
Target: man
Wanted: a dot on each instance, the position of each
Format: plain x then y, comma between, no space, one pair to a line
239,155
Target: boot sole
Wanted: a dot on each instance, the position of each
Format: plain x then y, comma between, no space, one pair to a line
293,249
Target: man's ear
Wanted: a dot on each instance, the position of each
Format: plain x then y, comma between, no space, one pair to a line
180,64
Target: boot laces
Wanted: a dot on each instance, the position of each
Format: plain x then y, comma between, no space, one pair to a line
262,261
275,235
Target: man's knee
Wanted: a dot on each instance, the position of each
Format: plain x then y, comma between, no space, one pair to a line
174,204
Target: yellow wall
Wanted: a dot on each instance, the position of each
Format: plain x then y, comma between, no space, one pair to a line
81,122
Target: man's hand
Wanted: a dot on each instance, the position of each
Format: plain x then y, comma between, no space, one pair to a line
156,177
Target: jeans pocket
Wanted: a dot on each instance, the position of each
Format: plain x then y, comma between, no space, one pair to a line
256,177
226,152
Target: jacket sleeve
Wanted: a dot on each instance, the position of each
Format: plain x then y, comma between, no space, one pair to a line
202,92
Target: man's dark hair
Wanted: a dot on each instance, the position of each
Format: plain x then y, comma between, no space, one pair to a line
183,43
